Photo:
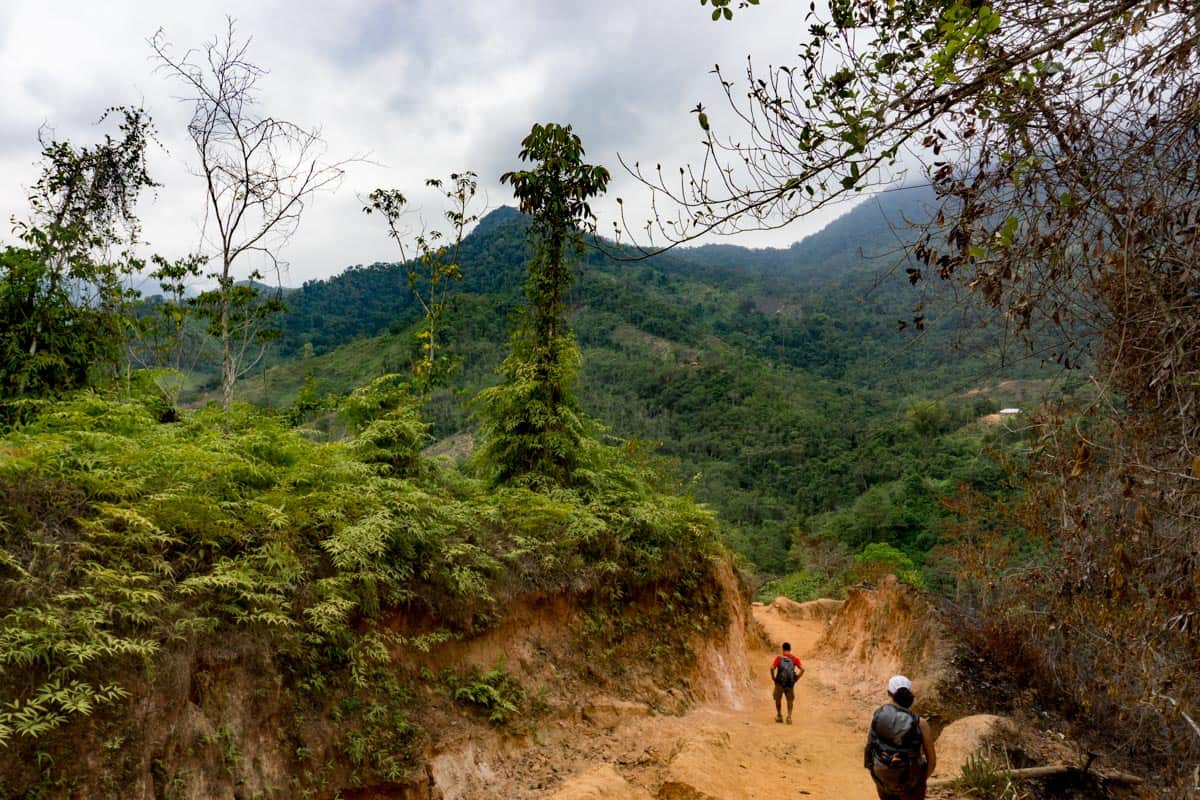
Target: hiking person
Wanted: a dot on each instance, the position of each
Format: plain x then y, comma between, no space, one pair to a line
899,750
785,669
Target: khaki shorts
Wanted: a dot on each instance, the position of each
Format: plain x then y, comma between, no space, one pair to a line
789,693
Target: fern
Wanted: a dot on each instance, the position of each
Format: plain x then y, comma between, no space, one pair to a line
495,693
183,530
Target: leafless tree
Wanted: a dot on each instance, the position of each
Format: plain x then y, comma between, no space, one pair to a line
259,172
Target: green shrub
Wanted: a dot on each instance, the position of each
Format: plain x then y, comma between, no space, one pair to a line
987,777
879,558
495,693
120,532
802,586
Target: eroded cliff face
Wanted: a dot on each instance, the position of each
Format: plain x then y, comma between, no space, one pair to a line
880,632
228,717
588,689
722,672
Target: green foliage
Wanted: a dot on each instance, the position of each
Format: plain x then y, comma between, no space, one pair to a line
183,532
246,311
370,300
495,693
748,368
373,728
929,418
163,335
722,9
531,423
801,586
555,195
49,344
435,267
388,424
879,558
902,512
61,294
120,533
827,569
987,777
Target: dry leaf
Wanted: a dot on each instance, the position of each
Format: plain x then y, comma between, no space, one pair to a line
1143,517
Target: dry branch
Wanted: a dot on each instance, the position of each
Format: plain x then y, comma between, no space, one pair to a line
1052,770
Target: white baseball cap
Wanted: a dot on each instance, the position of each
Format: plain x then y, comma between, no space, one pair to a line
898,682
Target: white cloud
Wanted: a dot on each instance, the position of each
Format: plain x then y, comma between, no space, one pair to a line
421,88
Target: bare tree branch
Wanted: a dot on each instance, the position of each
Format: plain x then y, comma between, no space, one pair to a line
259,172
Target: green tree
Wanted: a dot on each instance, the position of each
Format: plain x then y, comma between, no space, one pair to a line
532,423
162,328
434,266
242,316
928,418
879,558
62,294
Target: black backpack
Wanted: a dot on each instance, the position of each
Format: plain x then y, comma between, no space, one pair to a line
785,673
894,747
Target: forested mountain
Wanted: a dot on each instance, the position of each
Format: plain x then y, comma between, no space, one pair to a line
867,238
832,303
778,381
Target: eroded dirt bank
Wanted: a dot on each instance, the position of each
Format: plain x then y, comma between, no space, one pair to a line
735,750
643,722
730,748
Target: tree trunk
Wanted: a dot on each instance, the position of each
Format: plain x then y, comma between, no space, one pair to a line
228,368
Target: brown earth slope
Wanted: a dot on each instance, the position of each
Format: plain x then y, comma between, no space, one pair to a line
733,749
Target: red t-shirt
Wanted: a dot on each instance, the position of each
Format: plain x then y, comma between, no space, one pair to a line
792,656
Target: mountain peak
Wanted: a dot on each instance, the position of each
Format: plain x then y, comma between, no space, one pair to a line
497,217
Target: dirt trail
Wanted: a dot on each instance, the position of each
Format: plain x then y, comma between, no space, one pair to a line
735,749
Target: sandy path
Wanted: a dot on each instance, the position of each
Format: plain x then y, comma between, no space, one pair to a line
819,755
830,724
724,753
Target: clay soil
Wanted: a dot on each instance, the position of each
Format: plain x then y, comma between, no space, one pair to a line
724,750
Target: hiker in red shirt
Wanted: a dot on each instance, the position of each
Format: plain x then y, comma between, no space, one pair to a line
785,669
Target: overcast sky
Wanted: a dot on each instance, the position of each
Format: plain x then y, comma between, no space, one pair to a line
420,88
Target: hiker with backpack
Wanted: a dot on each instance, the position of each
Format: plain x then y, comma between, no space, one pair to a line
899,750
785,670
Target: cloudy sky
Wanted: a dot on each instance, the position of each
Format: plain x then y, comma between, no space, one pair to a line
415,88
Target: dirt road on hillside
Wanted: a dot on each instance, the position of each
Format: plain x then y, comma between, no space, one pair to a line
735,750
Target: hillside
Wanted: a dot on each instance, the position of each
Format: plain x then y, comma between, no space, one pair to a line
197,607
508,510
864,239
777,382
